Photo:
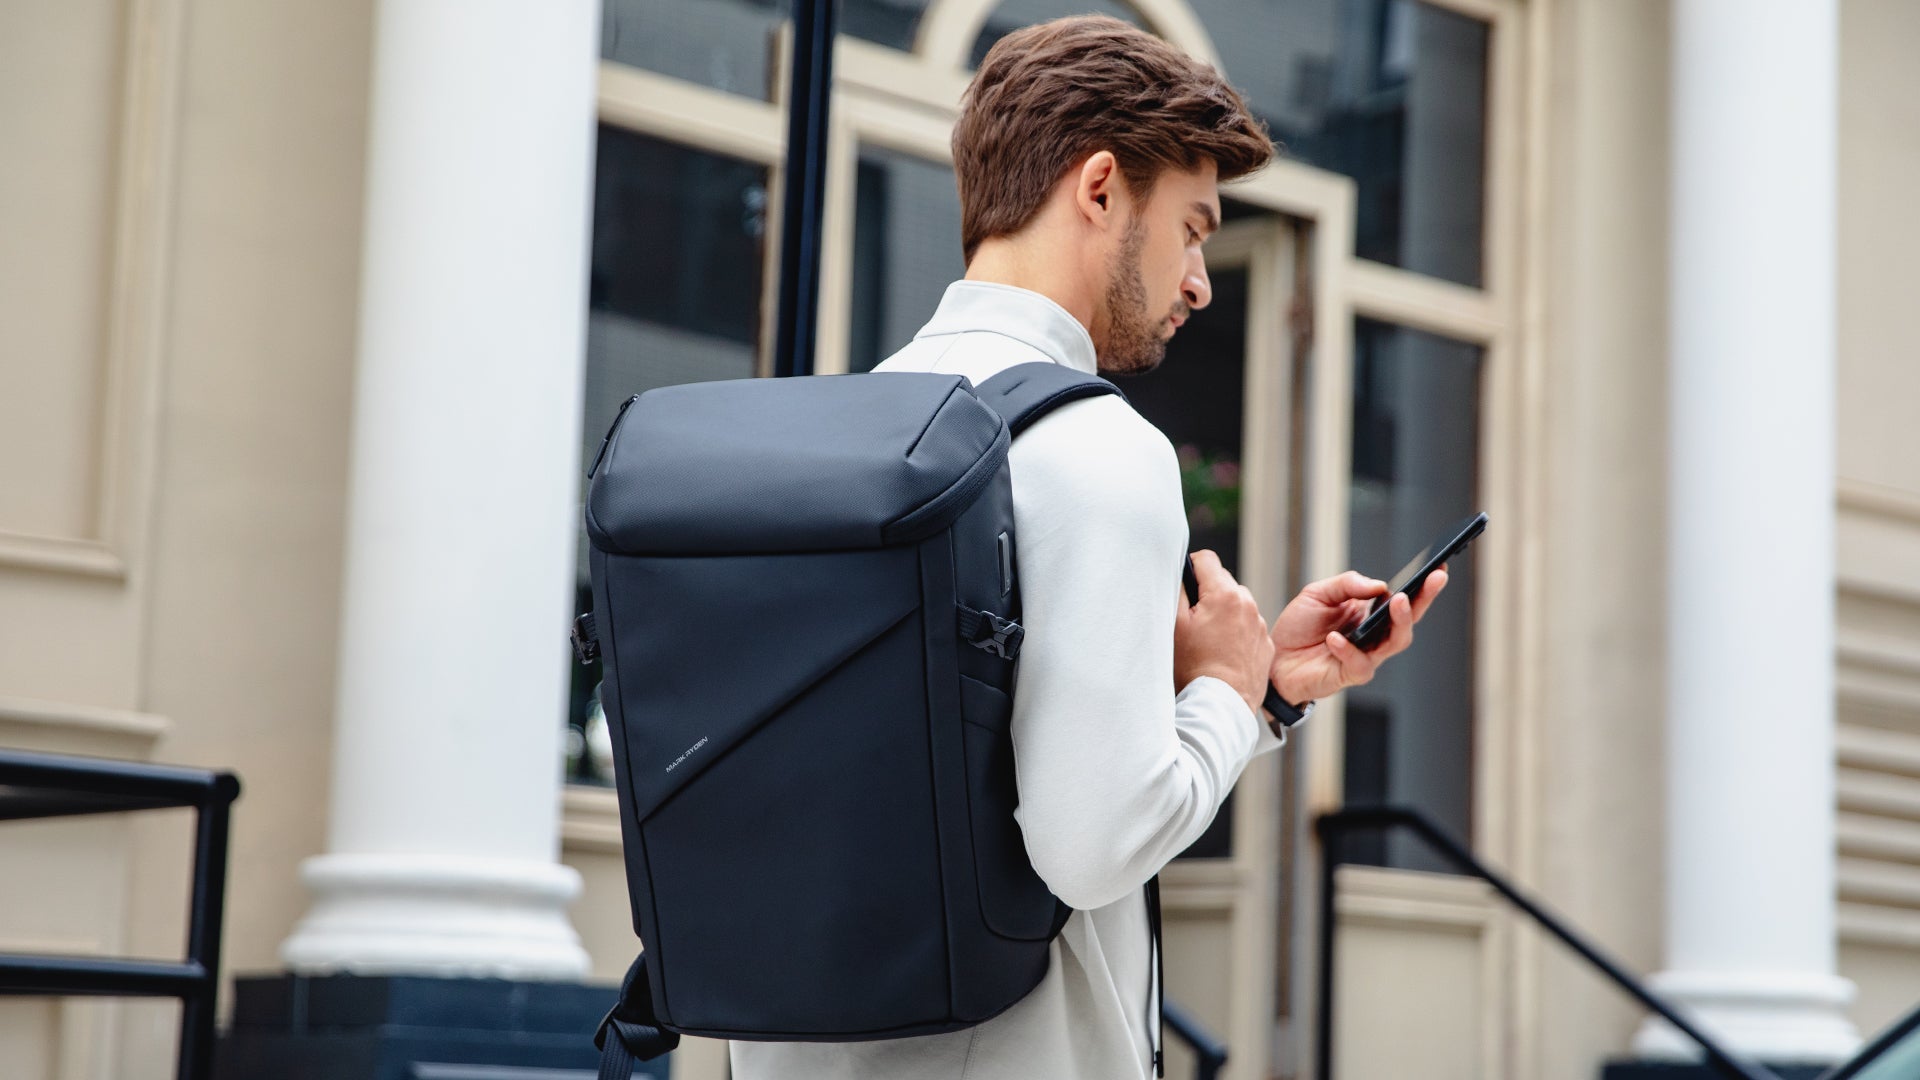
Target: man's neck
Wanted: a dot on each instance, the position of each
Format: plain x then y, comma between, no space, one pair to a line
1004,263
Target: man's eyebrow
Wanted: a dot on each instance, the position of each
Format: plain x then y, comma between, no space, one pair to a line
1207,215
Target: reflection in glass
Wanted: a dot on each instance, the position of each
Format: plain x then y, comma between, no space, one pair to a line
888,22
678,239
1898,1060
906,250
1390,92
1416,436
724,44
1195,397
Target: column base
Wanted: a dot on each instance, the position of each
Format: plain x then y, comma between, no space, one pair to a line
452,916
1791,1018
348,1027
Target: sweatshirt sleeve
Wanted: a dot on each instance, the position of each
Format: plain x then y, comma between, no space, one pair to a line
1116,773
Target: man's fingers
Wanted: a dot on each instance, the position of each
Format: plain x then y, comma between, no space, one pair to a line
1400,614
1352,612
1356,665
1435,582
1343,587
1215,581
1208,570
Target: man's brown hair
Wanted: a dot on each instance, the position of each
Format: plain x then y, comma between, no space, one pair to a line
1048,96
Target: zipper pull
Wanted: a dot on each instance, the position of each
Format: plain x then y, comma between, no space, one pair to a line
608,437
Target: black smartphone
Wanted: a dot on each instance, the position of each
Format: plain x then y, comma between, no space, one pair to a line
1412,577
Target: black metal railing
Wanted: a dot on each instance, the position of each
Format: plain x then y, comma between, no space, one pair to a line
1333,830
47,786
1887,1041
1209,1053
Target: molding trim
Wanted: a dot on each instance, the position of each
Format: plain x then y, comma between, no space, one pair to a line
1877,749
1866,836
1877,793
1412,900
1484,10
60,715
1882,653
1870,924
897,76
1423,303
1877,541
135,290
1878,500
696,116
589,820
61,554
1899,693
1880,883
949,28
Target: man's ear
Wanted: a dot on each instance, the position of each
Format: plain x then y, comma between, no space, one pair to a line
1099,191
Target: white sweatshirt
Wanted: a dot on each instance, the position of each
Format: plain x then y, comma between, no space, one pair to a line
1116,773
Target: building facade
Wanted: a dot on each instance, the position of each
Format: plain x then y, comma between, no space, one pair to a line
1623,273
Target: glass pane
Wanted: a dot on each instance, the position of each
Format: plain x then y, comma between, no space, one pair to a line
1899,1060
906,250
725,44
678,239
889,22
1014,14
1195,397
1416,438
1390,92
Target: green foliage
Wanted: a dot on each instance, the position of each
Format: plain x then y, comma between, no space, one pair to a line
1210,487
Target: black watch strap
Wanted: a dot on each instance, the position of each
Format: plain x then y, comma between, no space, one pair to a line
1285,714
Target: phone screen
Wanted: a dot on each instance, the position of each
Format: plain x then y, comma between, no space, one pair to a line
1413,576
1405,577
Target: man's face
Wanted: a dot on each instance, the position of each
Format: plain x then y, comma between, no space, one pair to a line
1157,275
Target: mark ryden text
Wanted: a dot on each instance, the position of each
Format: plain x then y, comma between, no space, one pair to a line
688,752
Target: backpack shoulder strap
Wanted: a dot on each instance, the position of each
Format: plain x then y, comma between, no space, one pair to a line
1024,393
630,1031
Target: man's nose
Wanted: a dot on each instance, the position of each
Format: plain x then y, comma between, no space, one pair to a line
1195,287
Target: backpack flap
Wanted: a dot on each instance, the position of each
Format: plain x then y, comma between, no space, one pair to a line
814,463
719,645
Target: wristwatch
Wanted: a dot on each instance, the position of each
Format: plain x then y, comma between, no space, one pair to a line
1284,713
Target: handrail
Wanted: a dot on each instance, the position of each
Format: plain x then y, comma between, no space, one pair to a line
1850,1068
50,785
1209,1052
1333,828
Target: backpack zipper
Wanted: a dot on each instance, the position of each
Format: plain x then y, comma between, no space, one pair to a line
608,437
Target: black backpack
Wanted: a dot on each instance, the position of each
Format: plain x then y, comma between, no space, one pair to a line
806,598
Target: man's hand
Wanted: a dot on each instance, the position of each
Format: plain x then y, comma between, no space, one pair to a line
1224,635
1312,657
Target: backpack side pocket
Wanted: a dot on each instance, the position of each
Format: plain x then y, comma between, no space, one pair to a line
1013,900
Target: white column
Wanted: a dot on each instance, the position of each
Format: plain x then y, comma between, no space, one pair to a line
443,846
1749,594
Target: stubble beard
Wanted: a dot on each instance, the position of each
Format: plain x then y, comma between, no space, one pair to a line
1134,345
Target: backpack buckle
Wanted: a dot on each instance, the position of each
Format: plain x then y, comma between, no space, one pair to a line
996,635
586,644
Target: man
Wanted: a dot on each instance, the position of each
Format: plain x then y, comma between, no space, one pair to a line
1088,155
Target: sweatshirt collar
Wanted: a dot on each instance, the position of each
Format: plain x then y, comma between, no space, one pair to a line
1021,314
